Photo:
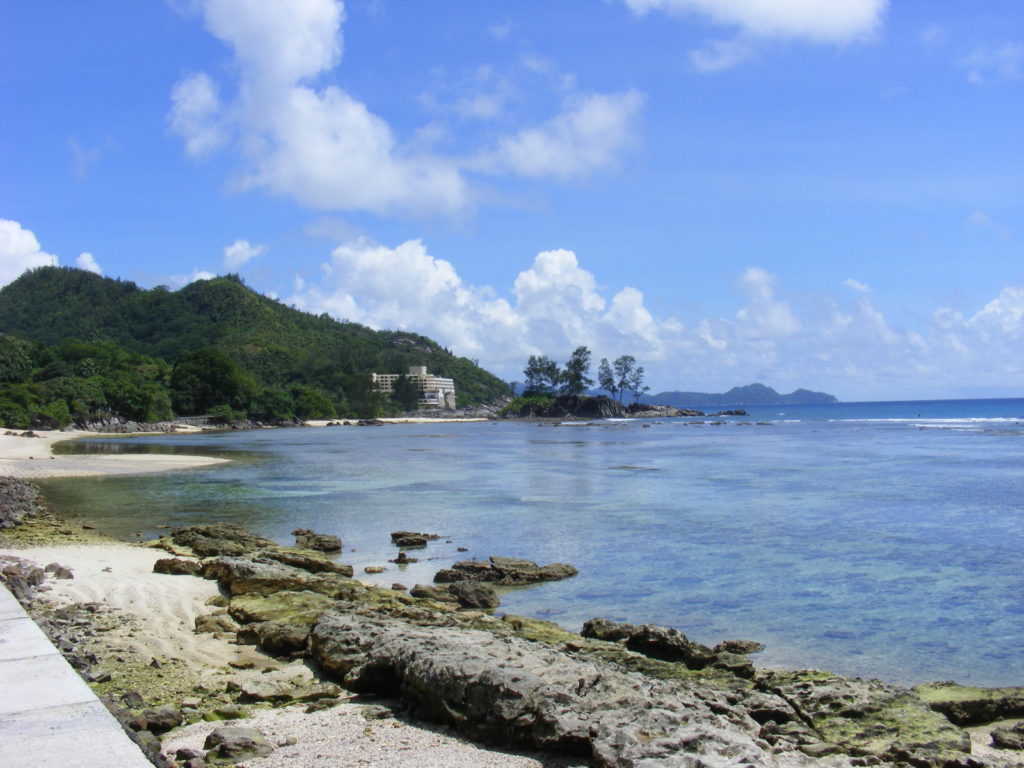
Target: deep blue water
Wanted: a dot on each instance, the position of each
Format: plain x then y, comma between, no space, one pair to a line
876,539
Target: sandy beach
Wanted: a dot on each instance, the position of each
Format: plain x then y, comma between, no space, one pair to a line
32,457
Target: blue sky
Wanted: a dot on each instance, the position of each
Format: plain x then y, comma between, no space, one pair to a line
803,193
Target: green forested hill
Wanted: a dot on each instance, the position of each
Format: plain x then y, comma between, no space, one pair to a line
275,348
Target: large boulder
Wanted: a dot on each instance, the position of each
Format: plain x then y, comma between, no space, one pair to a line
254,574
504,570
510,691
323,542
219,539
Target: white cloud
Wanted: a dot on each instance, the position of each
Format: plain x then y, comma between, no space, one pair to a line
719,55
991,63
765,317
88,262
319,146
196,114
844,344
19,251
241,252
197,274
329,151
856,285
830,21
589,134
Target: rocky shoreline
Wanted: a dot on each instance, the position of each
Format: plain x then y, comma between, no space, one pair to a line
614,695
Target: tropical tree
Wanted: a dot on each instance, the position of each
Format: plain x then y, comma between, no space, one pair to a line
606,378
574,378
364,398
542,375
406,393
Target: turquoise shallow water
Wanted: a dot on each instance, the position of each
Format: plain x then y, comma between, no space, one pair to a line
860,538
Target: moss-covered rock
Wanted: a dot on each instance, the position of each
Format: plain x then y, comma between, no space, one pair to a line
869,717
967,705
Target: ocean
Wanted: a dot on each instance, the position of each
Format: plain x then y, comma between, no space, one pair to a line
871,539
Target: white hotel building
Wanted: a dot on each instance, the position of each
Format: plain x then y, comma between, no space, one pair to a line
435,391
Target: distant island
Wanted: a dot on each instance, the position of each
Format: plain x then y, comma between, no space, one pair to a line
752,394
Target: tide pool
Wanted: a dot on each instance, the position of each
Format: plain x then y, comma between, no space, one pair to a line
882,540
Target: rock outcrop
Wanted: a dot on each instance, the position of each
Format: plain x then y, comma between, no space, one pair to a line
506,571
967,705
19,501
219,539
513,692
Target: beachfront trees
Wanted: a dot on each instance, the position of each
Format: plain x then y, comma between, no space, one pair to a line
542,375
622,376
364,398
574,378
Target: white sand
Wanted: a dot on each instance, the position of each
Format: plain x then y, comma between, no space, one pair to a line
32,457
161,611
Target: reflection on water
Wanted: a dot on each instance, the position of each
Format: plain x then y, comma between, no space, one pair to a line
877,549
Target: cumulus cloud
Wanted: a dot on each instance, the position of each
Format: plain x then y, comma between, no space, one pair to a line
588,135
319,146
841,342
19,251
835,21
328,150
88,262
241,252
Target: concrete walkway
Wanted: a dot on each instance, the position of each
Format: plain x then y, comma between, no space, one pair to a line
49,717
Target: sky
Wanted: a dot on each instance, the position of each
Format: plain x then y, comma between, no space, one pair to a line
825,194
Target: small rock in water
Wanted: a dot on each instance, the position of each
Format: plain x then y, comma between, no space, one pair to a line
374,569
323,542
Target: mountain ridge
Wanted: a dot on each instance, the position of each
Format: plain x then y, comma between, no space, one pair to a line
280,346
751,394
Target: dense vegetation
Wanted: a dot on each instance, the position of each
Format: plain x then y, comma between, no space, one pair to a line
77,347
